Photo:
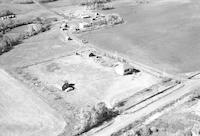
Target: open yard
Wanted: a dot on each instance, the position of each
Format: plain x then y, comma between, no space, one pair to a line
93,82
161,34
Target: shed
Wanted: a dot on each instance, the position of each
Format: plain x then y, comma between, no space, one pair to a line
83,25
85,16
125,69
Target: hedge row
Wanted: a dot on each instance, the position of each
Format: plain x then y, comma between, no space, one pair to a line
5,13
10,24
91,2
110,19
7,42
31,1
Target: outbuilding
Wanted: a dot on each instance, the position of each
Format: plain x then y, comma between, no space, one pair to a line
83,25
125,69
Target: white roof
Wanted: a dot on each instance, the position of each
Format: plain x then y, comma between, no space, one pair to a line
121,67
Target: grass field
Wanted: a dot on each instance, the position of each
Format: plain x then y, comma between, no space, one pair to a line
23,113
162,35
36,49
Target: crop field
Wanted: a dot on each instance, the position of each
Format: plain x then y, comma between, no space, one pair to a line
160,34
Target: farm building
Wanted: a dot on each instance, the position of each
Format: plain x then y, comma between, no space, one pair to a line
125,69
84,25
85,16
74,27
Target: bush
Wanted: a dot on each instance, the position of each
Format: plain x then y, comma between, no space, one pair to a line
113,19
196,94
31,1
23,1
144,131
97,4
90,2
1,36
107,7
8,41
10,24
110,19
93,116
50,20
34,29
5,13
100,22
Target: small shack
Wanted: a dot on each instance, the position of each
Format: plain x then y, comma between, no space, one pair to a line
125,69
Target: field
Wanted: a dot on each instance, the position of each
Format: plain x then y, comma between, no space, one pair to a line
161,34
23,113
36,49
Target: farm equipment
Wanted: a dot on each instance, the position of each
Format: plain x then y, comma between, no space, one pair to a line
84,41
67,86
